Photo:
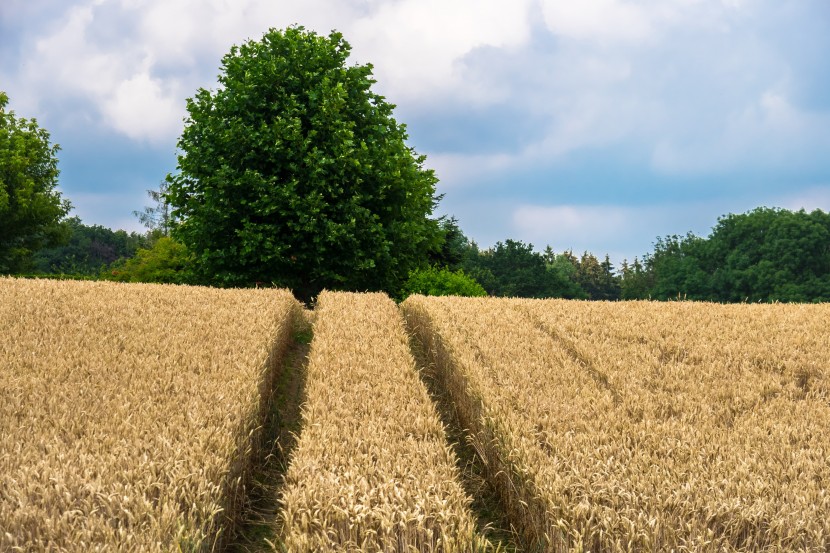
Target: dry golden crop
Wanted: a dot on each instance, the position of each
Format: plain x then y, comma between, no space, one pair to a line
129,413
372,470
644,426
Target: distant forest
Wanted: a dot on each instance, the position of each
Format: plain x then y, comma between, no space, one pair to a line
765,255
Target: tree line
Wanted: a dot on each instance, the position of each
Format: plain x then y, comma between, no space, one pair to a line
765,255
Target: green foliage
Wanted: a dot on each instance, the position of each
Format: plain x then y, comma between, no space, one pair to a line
517,270
88,250
167,261
770,255
677,269
454,246
565,267
295,173
513,269
597,278
636,281
157,218
436,281
765,255
31,209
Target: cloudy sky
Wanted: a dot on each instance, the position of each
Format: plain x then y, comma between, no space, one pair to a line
588,125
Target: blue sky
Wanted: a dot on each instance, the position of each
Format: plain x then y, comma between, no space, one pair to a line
594,125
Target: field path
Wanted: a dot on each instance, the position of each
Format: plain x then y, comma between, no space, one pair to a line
260,521
491,519
372,470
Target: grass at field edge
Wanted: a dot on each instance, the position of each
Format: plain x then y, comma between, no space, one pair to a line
259,531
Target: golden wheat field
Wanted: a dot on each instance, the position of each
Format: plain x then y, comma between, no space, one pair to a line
372,470
132,418
129,413
643,426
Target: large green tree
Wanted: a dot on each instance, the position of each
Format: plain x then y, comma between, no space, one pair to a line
31,209
294,172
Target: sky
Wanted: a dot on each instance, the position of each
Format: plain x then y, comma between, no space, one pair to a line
595,125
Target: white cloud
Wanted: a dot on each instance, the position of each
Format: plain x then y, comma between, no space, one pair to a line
113,82
416,52
808,199
202,31
687,82
598,229
619,23
136,60
461,169
597,19
672,79
65,58
140,108
591,121
132,63
769,132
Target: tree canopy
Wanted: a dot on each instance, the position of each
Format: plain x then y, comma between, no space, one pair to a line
764,255
513,269
31,209
88,250
294,172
